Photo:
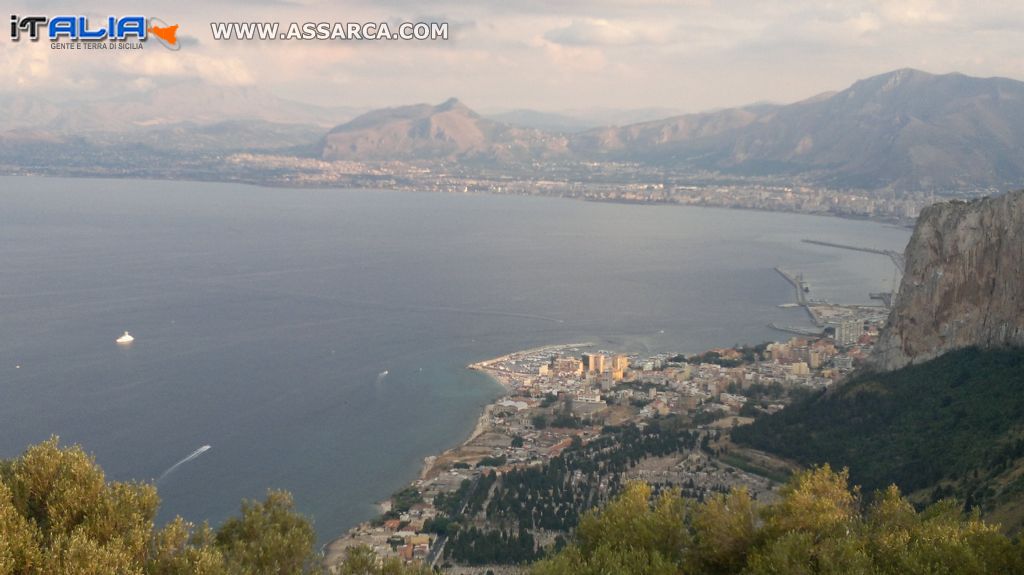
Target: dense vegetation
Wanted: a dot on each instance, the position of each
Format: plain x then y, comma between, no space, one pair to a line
474,546
551,496
819,526
59,515
953,426
402,500
748,354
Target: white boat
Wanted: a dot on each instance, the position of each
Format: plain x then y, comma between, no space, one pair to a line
126,338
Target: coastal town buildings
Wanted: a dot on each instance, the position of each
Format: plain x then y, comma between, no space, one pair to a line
566,396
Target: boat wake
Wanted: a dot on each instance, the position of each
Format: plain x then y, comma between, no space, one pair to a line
190,457
381,376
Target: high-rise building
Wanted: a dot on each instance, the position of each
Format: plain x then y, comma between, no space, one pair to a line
566,365
593,363
849,331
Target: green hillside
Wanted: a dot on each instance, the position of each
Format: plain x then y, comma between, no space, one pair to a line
953,426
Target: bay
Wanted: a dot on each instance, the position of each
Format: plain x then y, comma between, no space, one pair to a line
264,319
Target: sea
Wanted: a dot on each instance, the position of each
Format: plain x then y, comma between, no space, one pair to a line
265,320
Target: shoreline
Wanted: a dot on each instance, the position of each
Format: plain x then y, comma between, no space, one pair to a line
294,186
485,365
334,548
514,372
504,381
530,377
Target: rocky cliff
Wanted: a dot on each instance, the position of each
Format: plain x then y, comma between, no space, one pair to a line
963,282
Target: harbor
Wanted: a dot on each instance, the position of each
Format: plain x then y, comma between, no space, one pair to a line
897,257
802,289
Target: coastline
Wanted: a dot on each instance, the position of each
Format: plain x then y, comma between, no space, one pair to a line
502,422
335,548
344,186
527,425
503,379
485,364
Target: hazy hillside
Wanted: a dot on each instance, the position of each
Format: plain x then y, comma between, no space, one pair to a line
446,131
182,117
906,129
578,120
186,102
548,121
682,138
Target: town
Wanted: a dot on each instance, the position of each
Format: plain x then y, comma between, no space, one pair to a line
576,424
595,181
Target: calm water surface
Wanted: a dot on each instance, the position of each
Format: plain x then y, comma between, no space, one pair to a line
264,317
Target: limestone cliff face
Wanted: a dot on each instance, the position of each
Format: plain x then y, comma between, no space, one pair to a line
963,285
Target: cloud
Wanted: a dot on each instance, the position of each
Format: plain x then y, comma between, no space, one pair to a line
916,12
584,58
28,66
218,71
598,32
686,54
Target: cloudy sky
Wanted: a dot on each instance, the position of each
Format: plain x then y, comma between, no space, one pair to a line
688,55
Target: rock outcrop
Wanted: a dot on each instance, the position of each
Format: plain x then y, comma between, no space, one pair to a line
963,285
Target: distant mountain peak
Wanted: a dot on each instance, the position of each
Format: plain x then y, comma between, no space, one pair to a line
450,130
452,103
906,129
907,73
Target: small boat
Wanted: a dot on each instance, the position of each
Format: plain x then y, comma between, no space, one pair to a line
126,338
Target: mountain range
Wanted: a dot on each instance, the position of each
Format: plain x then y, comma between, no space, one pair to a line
186,116
906,130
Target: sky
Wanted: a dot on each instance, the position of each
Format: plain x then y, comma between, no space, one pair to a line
550,55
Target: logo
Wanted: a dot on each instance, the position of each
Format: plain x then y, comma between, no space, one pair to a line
167,35
116,32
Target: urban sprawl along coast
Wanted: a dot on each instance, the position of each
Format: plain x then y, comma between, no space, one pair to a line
621,182
577,423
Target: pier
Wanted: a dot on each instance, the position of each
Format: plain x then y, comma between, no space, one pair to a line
798,283
886,297
897,257
797,330
801,288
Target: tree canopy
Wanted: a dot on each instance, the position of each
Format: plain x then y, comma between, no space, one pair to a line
947,427
820,525
60,516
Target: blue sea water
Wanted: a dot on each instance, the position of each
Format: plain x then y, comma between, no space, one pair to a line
264,318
